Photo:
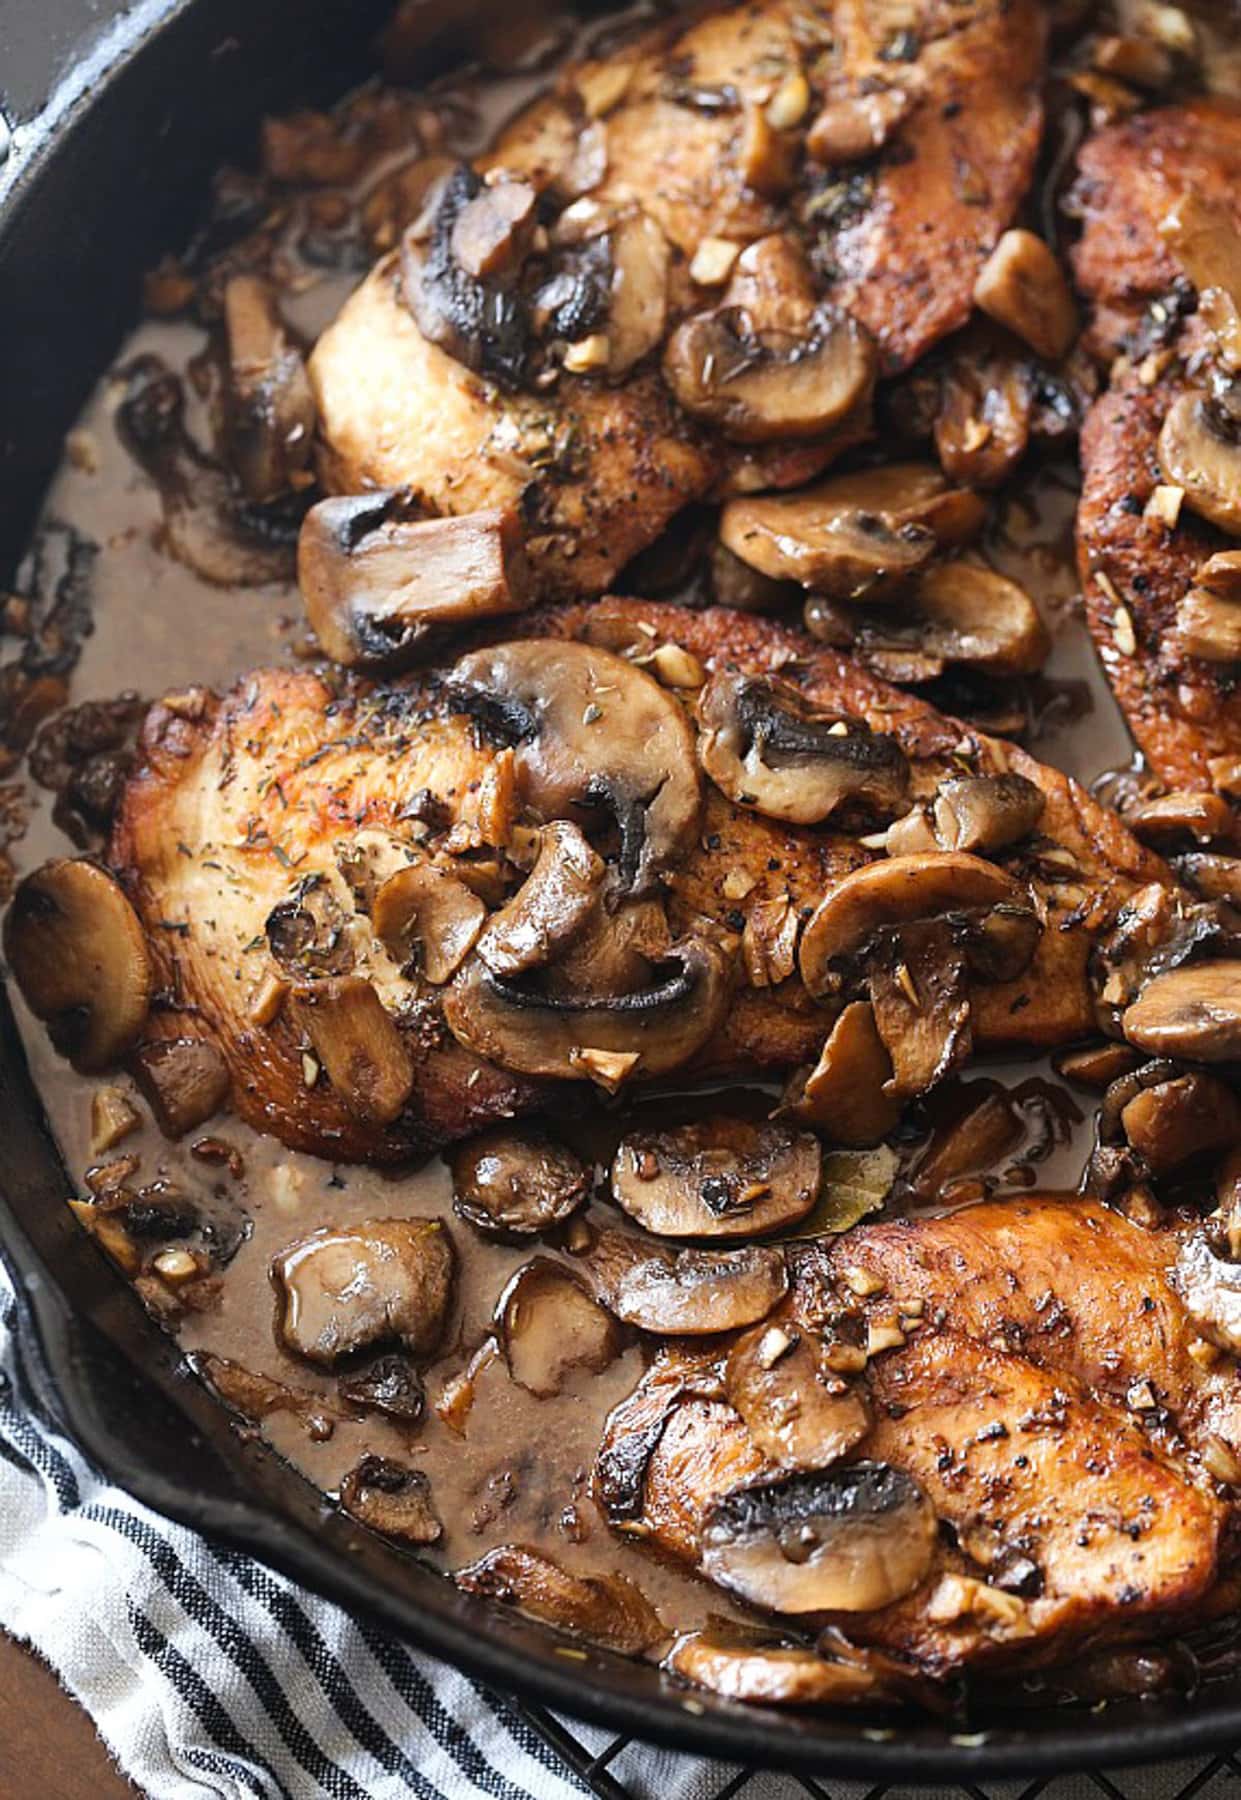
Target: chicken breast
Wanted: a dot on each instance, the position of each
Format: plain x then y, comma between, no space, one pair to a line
1140,553
258,826
884,154
1069,1516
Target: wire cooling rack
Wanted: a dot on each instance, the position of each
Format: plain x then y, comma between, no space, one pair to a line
607,1773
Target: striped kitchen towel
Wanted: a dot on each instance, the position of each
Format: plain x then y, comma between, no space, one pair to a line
208,1674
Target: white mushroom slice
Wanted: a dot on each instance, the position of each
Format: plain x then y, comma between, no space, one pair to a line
514,1182
846,1095
1199,450
376,575
851,1539
757,386
751,1667
690,1293
766,747
595,739
1193,1011
183,1080
979,618
578,1037
1202,233
976,813
884,896
920,999
638,311
80,958
551,908
358,1045
384,1280
719,1178
799,1413
269,407
1023,287
549,1326
604,1609
853,536
393,1499
427,921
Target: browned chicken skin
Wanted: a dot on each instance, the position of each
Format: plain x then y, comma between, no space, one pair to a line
1015,1391
242,805
1137,567
893,227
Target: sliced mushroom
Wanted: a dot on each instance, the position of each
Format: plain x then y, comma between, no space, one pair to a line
80,958
269,407
767,747
616,953
183,1080
391,1385
846,1095
382,1281
1162,819
377,576
719,1178
595,1038
427,920
1022,287
357,1043
516,1182
983,1127
550,909
393,1499
604,1609
885,896
638,310
1213,877
798,1411
985,416
1211,1290
1189,1115
748,1665
592,735
690,1293
851,1539
757,386
976,813
492,232
981,619
1199,451
1208,619
549,1326
853,536
920,1000
1097,1065
481,321
853,126
1203,234
1192,1011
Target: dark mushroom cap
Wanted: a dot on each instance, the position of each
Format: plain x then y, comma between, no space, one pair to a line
768,748
596,740
851,1539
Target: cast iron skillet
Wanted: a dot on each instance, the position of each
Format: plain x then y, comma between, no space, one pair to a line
118,114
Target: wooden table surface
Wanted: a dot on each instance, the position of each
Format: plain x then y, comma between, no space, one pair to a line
48,1746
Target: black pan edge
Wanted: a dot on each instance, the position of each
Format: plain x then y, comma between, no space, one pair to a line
104,172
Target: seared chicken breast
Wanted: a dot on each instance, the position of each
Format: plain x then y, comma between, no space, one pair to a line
259,830
579,326
1012,1350
1158,197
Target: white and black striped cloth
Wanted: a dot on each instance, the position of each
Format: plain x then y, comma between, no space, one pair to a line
210,1675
